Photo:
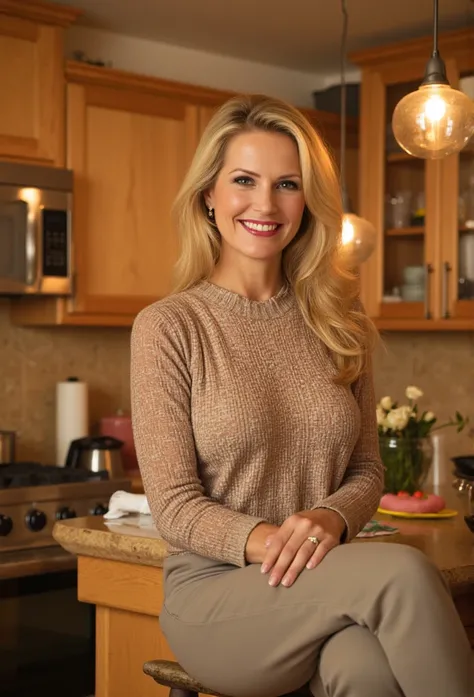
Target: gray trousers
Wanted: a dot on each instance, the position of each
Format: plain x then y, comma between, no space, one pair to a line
372,620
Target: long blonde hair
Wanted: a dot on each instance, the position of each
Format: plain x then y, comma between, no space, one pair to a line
325,291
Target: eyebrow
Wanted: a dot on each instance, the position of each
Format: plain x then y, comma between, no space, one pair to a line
254,174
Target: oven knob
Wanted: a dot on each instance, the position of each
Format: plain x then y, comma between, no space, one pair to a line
99,509
64,513
6,525
35,520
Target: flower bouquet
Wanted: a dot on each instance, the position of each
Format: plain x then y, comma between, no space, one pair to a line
405,444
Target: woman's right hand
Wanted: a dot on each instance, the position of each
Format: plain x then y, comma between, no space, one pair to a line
257,542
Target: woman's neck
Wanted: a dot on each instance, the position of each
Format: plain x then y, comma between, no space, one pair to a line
255,286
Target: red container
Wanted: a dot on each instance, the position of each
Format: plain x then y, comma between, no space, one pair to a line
120,426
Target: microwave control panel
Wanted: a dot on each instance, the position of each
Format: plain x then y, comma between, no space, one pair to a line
55,226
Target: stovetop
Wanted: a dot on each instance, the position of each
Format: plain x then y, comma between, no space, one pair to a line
28,474
34,497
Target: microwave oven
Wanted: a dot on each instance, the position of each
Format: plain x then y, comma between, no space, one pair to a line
35,230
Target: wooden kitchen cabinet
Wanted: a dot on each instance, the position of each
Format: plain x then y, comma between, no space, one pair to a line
32,128
130,140
413,203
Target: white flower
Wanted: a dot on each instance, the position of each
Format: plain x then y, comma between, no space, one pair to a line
429,416
412,392
397,419
380,416
386,403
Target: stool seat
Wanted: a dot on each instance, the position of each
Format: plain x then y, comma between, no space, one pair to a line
171,675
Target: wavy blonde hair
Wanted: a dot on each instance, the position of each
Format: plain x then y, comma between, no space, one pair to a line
325,291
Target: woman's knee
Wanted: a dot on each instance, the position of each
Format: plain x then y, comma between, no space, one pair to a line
408,566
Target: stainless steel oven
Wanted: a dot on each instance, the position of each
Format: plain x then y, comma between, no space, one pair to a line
35,230
47,644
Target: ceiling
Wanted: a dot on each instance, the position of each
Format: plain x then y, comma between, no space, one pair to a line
300,34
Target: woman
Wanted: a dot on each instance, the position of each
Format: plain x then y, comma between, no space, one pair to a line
254,422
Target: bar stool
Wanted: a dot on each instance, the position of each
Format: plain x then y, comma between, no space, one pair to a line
170,674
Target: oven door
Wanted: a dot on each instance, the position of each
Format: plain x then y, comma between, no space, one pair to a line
46,637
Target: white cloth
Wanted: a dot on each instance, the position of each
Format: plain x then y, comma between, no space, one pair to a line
122,504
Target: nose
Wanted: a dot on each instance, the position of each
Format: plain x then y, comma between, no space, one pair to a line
264,201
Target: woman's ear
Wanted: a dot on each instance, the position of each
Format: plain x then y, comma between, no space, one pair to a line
208,199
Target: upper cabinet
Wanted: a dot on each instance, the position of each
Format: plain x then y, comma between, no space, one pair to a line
129,146
32,81
130,140
417,277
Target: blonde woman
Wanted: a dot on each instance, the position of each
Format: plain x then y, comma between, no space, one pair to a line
254,422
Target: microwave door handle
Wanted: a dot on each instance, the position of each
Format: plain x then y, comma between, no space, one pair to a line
31,245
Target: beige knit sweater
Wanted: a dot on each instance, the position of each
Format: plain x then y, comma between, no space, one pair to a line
236,421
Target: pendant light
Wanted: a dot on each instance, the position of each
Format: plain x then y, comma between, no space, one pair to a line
436,120
358,235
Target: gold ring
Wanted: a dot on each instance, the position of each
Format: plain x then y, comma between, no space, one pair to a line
314,540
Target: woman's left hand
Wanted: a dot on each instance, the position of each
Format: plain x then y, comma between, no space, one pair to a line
289,550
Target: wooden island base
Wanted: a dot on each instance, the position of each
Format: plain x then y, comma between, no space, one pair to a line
129,598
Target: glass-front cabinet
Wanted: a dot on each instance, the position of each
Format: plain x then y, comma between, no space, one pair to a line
458,219
421,274
407,259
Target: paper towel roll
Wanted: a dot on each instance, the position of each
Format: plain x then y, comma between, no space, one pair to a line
72,419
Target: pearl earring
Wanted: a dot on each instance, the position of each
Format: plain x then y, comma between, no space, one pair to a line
210,213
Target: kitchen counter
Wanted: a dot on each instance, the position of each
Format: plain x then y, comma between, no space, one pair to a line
448,543
131,539
120,572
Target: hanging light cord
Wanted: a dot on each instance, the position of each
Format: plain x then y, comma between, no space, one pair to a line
435,28
342,165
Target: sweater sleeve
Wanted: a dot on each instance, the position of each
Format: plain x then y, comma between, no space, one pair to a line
185,517
358,496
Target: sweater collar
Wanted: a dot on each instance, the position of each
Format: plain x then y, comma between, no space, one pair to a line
274,307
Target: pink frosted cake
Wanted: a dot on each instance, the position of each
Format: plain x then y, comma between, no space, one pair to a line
418,503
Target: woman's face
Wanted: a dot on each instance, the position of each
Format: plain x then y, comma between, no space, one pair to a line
258,199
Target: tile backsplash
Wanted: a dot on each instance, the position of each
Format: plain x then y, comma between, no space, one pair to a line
33,360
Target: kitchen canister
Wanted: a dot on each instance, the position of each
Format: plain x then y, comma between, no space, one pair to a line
119,426
72,415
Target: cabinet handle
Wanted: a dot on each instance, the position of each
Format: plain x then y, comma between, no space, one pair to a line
428,271
445,290
31,245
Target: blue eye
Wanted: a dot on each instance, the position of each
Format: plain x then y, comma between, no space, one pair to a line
289,184
243,181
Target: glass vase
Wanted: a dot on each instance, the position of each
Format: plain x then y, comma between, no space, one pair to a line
407,462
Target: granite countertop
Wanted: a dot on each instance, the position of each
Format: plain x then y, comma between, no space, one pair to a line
448,543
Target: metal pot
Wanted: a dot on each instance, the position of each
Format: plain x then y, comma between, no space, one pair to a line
96,455
7,446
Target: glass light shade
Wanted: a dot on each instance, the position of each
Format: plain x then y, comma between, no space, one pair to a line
433,122
358,239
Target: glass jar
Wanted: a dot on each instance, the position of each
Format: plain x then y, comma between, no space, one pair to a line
407,462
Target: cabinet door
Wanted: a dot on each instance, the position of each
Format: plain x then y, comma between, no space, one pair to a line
400,195
129,152
205,115
32,90
457,218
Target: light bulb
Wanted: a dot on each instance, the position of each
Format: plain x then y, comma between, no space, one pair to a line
358,239
433,122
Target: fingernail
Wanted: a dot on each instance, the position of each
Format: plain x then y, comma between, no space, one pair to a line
310,565
273,581
264,568
286,581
